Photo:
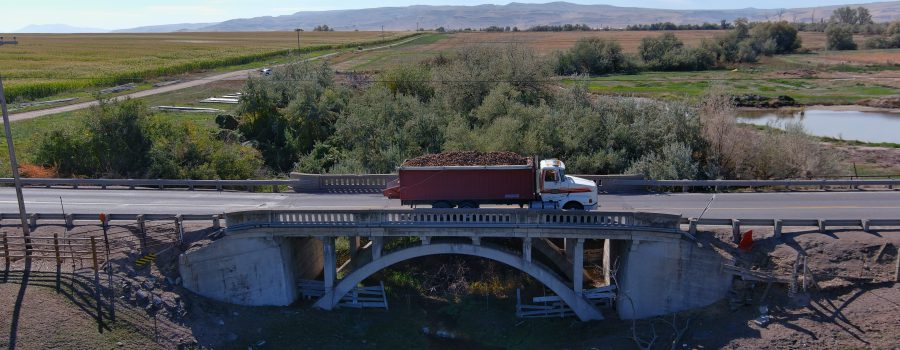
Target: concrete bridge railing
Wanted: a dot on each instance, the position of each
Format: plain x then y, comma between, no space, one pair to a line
491,218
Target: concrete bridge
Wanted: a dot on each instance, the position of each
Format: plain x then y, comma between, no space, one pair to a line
264,254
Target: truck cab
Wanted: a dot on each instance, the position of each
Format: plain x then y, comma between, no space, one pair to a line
560,191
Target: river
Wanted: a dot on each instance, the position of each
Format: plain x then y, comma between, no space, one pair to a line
866,126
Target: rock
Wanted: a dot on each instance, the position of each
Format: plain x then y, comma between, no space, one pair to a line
120,344
221,322
142,296
235,313
261,343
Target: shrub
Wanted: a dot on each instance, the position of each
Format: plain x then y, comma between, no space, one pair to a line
411,80
594,56
668,53
775,37
839,37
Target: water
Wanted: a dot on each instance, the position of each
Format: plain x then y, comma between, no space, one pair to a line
847,125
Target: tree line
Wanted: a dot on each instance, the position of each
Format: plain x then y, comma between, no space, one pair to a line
304,117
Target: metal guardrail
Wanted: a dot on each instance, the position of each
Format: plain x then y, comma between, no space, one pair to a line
725,184
151,183
70,219
372,183
778,224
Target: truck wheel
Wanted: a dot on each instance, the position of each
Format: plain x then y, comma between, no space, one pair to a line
468,205
442,205
573,206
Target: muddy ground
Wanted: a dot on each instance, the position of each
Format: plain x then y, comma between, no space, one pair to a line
856,305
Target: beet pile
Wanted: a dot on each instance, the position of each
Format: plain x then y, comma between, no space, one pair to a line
468,158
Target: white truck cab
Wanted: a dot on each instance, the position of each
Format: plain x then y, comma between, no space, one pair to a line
558,190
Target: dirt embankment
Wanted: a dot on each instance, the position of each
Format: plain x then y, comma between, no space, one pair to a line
852,302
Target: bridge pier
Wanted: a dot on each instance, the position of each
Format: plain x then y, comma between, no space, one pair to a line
578,266
329,265
526,249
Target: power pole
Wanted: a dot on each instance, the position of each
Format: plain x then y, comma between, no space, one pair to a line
298,30
382,32
26,233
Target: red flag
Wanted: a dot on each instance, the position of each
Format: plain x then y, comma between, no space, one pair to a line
746,241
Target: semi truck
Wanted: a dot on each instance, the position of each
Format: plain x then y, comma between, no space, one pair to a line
542,185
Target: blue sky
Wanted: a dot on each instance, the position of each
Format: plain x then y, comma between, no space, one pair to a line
117,14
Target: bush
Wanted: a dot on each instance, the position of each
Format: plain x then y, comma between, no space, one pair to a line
411,80
775,37
839,37
668,53
122,139
594,56
675,162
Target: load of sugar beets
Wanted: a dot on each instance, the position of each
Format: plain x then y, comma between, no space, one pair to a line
472,179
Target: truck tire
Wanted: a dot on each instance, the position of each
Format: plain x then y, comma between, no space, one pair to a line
468,205
442,205
573,206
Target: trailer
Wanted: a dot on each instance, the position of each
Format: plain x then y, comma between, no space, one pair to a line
541,185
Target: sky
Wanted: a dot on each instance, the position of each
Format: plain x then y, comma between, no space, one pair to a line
119,14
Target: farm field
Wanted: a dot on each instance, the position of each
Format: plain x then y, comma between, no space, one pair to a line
48,64
544,43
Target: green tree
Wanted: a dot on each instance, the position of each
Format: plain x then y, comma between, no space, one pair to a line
839,37
593,55
777,37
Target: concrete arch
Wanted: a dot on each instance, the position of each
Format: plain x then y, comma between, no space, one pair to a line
581,307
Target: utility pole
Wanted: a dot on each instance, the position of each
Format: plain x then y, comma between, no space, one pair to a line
298,30
382,32
26,234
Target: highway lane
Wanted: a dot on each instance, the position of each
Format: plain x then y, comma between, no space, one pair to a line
778,205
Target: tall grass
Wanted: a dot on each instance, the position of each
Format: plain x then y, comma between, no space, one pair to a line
19,91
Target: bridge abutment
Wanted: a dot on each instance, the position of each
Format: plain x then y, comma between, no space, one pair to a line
662,277
252,270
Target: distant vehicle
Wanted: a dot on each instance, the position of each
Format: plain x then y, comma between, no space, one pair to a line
540,187
266,71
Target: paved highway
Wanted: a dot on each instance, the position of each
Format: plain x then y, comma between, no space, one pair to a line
777,205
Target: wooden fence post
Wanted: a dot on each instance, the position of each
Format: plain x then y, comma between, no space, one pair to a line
179,226
58,260
112,290
143,227
97,285
5,256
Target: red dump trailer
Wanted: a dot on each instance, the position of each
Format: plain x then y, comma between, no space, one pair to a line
544,186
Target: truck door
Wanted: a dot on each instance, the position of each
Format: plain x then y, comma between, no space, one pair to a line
550,183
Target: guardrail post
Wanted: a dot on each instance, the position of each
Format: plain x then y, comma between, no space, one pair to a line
684,189
179,225
736,230
275,189
526,249
865,225
821,226
692,226
897,268
70,221
779,226
217,223
32,220
142,225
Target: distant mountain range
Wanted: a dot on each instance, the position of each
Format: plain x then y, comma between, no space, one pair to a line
513,14
58,28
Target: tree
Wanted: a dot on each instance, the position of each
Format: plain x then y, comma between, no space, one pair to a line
783,36
854,17
839,37
593,55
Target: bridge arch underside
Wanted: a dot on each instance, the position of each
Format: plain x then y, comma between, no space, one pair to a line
580,306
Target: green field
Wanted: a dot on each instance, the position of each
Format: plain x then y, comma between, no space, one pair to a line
43,65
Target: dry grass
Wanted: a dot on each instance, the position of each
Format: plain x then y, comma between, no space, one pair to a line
63,62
